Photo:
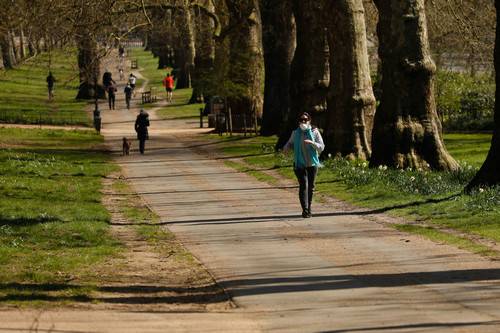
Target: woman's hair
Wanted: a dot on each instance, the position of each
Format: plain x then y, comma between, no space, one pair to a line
304,114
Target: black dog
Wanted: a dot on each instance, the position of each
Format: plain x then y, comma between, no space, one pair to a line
126,146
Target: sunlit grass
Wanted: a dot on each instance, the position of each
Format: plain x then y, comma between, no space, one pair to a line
24,95
53,226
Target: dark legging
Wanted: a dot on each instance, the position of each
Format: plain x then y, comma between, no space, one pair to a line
142,144
306,178
111,100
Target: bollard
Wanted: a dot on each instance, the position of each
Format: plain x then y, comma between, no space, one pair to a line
201,117
97,120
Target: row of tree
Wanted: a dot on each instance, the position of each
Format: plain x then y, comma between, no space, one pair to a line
309,55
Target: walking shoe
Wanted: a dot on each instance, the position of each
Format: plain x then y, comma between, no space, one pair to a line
305,214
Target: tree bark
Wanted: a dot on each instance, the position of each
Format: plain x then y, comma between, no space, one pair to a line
204,54
488,174
309,75
407,130
351,103
88,64
278,39
7,54
187,38
245,62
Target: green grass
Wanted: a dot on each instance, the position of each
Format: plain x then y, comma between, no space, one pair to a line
435,198
53,226
148,66
23,92
442,237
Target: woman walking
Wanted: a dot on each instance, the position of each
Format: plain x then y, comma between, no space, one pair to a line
307,144
141,128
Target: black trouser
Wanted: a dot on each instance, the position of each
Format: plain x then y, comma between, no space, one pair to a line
142,144
306,178
111,100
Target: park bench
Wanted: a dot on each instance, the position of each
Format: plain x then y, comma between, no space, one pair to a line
149,96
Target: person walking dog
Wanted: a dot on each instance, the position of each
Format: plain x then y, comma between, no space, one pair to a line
141,128
307,144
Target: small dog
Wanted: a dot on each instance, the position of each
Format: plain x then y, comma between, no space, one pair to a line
126,146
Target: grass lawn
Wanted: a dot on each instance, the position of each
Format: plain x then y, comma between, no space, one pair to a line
53,227
431,198
179,109
24,96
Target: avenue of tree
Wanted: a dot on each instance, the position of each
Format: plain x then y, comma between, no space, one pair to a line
274,59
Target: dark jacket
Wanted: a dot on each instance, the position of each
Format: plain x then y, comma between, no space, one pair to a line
141,126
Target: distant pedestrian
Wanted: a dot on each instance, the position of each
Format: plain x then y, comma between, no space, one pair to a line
50,85
111,95
168,83
121,51
132,79
128,94
107,79
307,144
122,74
141,128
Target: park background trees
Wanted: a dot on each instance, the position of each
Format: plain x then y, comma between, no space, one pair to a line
276,59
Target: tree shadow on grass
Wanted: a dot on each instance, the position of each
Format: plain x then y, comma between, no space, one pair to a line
27,221
126,294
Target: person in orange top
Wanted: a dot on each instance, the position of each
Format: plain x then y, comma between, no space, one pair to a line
168,83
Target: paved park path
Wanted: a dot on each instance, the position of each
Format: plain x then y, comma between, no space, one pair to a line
339,271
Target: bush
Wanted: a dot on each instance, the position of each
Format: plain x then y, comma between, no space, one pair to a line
465,102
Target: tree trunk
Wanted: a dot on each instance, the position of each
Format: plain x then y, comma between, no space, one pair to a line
488,174
7,53
88,64
351,103
13,44
22,48
204,55
309,74
187,38
245,62
278,39
407,131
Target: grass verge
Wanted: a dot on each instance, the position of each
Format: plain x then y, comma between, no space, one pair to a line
433,198
24,95
53,228
146,224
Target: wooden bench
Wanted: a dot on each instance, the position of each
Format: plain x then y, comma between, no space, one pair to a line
149,96
146,97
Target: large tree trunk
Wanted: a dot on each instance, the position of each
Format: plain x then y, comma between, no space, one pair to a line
351,103
88,64
205,54
407,130
187,38
278,39
488,174
245,62
8,58
309,74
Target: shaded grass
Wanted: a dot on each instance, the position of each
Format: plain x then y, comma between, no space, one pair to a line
435,198
24,95
53,227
